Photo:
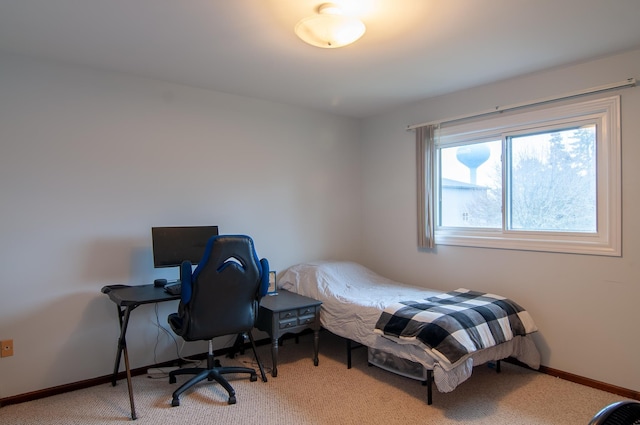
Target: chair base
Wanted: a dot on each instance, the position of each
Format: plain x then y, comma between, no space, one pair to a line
214,374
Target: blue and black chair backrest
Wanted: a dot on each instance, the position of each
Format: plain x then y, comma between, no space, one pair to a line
221,296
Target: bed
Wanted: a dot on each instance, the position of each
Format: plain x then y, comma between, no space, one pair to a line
355,301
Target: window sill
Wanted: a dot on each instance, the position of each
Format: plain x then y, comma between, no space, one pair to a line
559,243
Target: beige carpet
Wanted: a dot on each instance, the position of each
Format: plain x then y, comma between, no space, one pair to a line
328,394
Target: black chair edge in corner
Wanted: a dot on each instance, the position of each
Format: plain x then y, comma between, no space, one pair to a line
220,297
618,413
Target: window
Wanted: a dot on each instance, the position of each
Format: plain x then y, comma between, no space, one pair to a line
543,180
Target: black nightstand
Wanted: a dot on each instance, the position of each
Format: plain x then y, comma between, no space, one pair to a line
285,313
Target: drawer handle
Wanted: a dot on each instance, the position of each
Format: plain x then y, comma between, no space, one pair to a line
287,314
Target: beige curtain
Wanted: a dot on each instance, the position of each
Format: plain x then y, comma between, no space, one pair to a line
425,157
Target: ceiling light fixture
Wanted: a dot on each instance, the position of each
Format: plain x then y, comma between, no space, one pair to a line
329,28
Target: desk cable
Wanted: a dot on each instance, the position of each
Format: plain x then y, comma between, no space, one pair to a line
163,372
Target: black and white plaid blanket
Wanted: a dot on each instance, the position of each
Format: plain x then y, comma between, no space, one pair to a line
456,323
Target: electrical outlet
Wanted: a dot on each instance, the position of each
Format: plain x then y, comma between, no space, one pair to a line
6,348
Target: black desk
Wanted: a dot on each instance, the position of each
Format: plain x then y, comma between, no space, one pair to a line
127,298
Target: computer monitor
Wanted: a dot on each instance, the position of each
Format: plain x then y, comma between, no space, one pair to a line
173,245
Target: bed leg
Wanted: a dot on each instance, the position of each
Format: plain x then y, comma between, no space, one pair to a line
348,353
429,387
498,366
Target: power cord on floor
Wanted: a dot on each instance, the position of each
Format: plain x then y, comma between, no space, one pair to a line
252,363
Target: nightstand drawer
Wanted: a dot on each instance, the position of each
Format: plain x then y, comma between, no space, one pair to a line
306,311
288,314
290,323
307,320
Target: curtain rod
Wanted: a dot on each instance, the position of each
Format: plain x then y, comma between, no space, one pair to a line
629,82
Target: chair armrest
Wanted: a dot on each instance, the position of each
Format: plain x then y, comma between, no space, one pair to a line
185,280
264,278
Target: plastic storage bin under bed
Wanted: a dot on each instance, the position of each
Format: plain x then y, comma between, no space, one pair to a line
397,365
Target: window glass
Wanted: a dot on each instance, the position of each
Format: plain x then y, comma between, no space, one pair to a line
471,185
553,181
545,180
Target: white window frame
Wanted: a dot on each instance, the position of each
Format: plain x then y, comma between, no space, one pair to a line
605,113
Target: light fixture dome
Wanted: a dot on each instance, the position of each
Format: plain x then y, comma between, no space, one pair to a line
329,29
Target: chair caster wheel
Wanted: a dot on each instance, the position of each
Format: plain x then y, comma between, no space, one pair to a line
253,377
172,379
175,402
232,400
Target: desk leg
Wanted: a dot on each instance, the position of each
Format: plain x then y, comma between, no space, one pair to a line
116,366
255,353
122,348
274,356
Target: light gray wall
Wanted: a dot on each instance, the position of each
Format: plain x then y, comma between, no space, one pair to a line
91,160
586,307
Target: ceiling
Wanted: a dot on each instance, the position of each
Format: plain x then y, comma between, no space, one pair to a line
413,49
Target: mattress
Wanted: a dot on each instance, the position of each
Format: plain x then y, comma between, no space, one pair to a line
353,298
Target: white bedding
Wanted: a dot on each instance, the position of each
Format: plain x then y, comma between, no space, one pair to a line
352,299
